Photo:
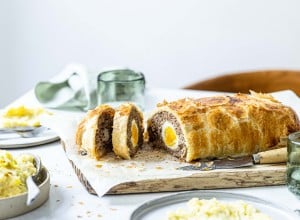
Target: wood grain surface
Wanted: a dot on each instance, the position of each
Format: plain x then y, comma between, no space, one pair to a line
258,175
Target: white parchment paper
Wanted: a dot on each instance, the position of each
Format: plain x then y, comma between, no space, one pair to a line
102,175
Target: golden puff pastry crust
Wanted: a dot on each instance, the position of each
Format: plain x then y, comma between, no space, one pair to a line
128,129
220,126
93,134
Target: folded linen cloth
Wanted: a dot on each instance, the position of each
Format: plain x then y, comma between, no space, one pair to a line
74,88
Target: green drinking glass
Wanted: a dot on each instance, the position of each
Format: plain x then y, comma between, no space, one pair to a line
119,86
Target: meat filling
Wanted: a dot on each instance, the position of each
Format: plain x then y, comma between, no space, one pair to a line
103,135
159,125
134,132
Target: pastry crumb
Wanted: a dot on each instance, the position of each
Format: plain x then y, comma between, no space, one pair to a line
99,165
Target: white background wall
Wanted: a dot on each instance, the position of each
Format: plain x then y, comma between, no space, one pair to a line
174,42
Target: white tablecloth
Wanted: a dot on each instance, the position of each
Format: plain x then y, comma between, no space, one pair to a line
70,200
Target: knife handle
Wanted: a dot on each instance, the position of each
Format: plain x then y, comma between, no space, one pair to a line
271,156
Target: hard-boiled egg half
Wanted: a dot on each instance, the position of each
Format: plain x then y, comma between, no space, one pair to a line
169,135
134,133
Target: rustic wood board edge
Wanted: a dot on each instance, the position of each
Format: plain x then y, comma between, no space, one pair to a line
218,179
261,175
258,175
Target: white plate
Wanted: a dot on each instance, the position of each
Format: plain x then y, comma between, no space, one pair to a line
13,140
16,205
158,208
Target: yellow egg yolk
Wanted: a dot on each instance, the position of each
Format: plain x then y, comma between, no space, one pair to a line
170,137
134,133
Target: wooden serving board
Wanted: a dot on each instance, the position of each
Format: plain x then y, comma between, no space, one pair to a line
258,175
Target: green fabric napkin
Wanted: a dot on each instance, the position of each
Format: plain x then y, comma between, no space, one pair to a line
74,89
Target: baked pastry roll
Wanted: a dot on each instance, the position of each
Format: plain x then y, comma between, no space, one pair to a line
220,126
128,129
93,134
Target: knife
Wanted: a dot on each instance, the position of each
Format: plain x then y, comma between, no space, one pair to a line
267,157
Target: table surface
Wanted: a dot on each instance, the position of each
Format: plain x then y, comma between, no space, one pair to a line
69,199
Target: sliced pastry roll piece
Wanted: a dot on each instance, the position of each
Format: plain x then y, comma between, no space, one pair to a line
128,129
94,132
220,126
